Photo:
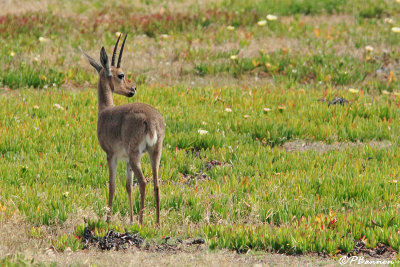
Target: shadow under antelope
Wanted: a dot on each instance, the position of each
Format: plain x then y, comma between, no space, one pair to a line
126,132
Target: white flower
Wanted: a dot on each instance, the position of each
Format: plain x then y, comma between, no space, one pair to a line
388,20
117,34
262,23
164,36
12,53
234,57
369,48
36,59
230,28
228,110
396,29
58,106
202,132
267,109
272,17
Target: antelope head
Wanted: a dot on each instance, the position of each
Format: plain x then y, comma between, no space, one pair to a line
112,77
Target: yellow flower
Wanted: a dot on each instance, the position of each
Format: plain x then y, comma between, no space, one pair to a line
230,28
272,17
354,91
262,23
43,78
234,57
117,34
12,53
43,39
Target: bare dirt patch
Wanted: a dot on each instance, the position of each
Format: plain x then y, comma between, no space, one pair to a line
198,258
14,241
316,20
304,145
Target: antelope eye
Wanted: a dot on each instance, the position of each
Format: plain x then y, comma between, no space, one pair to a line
121,76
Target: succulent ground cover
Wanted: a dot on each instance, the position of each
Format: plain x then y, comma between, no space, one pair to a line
282,123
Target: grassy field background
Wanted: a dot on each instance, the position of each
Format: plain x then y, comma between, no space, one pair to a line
238,90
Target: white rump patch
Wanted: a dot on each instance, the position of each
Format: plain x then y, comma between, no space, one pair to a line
151,142
147,142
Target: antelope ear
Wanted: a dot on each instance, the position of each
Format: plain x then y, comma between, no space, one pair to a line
104,61
91,60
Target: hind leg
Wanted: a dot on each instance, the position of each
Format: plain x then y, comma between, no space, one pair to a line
155,156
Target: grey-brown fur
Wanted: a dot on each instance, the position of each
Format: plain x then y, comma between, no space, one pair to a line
125,132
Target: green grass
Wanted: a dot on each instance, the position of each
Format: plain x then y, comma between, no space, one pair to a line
263,198
50,159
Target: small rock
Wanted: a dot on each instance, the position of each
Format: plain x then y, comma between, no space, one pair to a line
198,241
338,100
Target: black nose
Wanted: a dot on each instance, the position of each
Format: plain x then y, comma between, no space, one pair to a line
132,92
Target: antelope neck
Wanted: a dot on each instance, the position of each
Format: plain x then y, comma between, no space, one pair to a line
105,95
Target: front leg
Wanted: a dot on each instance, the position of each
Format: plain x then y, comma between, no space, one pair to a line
134,162
112,169
129,183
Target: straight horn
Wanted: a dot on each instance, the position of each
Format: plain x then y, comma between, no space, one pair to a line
120,52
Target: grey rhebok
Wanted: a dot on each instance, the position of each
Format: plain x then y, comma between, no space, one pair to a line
126,132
